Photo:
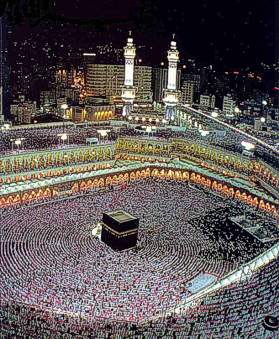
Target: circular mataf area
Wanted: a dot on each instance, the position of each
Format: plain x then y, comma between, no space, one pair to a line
50,259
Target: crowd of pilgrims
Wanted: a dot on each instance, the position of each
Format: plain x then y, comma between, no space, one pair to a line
45,138
58,279
48,138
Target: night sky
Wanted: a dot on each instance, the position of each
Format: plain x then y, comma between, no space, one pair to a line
231,34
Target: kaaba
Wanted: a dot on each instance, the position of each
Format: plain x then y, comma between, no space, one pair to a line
119,230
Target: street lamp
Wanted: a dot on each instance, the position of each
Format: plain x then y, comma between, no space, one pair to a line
214,114
102,133
264,102
5,127
247,145
64,107
203,133
17,142
64,137
237,110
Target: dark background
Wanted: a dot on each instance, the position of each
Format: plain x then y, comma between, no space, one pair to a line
228,34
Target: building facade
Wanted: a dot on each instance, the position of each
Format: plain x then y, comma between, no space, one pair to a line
107,80
160,81
228,104
23,112
207,101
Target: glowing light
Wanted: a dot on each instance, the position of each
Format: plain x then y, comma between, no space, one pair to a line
262,119
236,110
164,121
150,119
143,119
264,102
18,142
64,106
203,133
247,145
103,132
130,117
214,114
137,118
64,136
157,120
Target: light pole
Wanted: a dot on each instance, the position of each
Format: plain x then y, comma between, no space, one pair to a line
102,133
63,137
264,103
64,107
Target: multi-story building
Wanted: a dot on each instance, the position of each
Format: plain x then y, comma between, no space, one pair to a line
160,81
207,101
48,98
228,104
107,80
187,92
23,112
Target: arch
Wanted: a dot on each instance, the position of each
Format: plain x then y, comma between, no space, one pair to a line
25,196
244,196
89,184
95,183
47,192
9,200
219,187
154,172
193,177
55,193
208,182
262,204
17,198
83,186
185,175
237,194
126,177
255,201
214,185
132,176
138,174
75,188
143,174
3,201
108,181
40,193
101,182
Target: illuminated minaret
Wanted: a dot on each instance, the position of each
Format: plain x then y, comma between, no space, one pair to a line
171,93
128,90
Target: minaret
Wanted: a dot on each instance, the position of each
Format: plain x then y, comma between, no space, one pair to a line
128,90
171,93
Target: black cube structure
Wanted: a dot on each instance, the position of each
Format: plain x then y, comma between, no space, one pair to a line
119,230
